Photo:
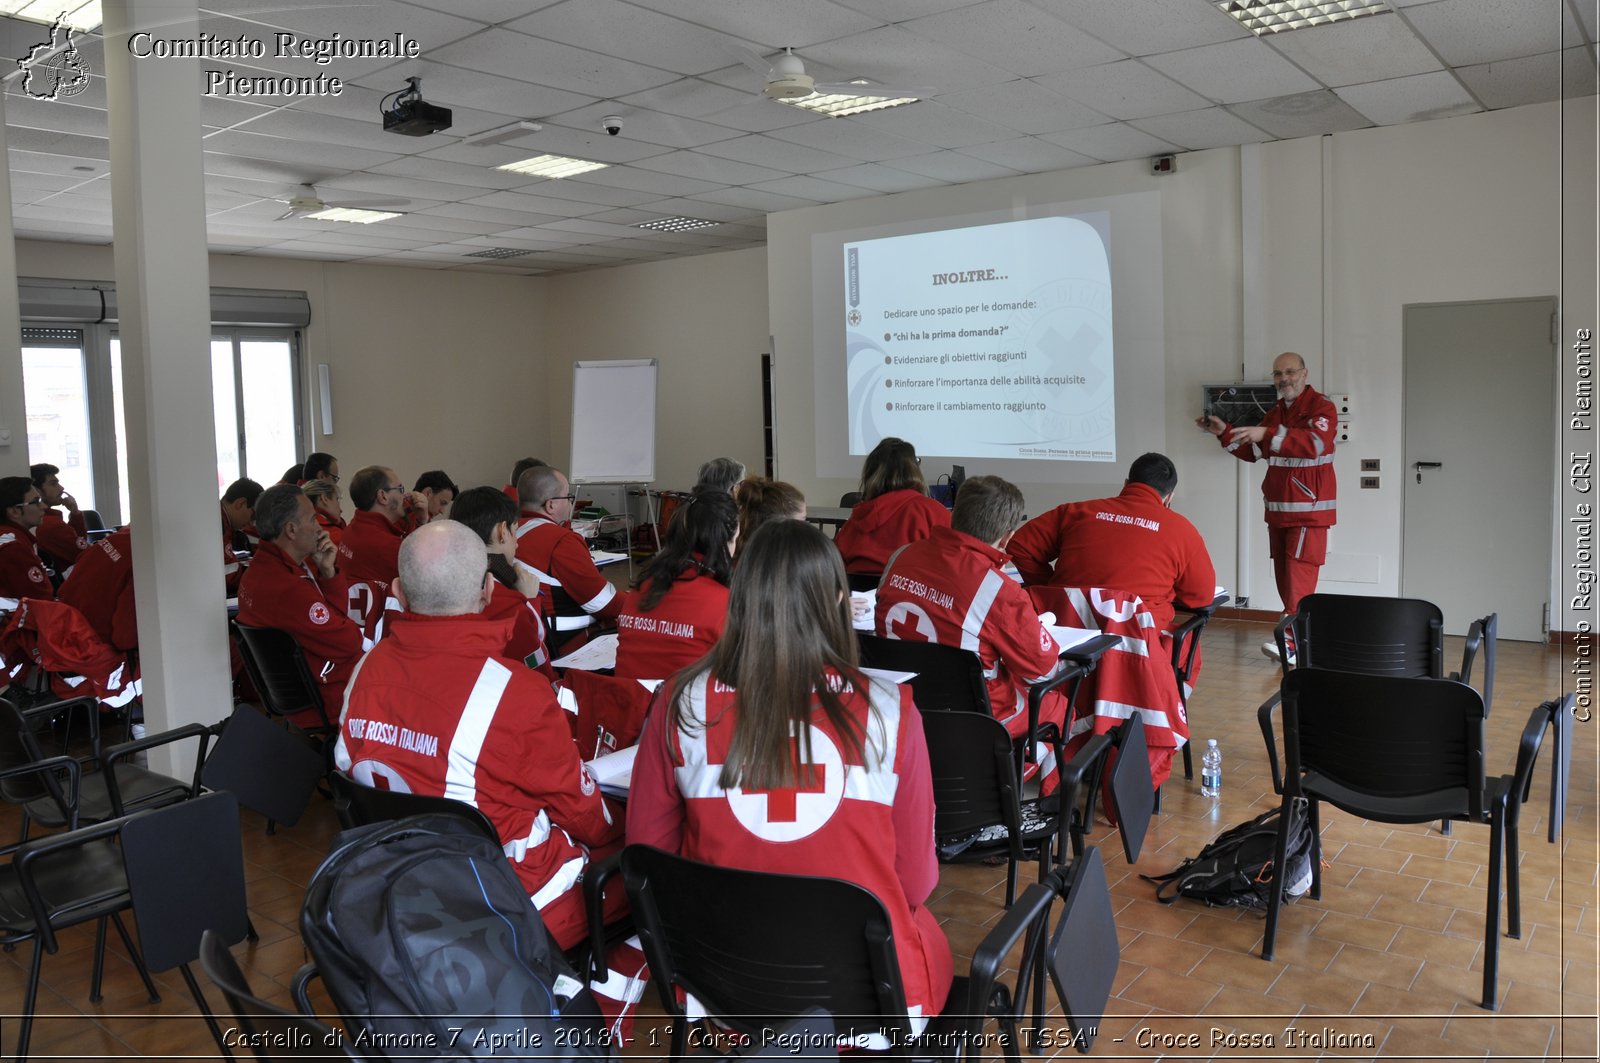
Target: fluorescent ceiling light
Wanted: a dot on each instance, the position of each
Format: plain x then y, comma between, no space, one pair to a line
677,224
499,252
552,166
353,214
80,15
836,105
1262,17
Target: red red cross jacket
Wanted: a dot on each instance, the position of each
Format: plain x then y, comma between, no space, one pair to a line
880,526
866,820
276,592
1299,487
948,589
526,642
60,540
560,558
57,638
1132,678
678,631
100,587
369,549
1132,542
435,709
22,573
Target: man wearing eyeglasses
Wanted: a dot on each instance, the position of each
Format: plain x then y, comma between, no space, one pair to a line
369,549
58,539
22,574
572,592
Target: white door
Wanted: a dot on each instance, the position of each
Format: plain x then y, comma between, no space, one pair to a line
1479,380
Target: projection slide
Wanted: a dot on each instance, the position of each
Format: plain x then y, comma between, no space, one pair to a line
988,341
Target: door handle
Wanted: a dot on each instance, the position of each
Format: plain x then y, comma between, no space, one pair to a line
1420,465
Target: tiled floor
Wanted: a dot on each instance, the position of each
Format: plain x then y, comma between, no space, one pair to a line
1388,958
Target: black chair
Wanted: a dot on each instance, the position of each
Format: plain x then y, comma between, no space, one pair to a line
849,499
269,769
1185,648
863,581
1513,790
978,808
185,868
356,805
709,930
118,788
947,678
273,1032
61,881
1390,749
1083,951
1379,636
278,671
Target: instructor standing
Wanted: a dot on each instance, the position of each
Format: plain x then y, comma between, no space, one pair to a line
1296,438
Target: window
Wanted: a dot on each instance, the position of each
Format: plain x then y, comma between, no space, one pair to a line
56,395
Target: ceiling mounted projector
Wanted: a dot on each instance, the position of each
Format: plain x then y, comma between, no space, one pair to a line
410,115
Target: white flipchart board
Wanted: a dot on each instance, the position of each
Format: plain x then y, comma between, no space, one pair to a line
614,421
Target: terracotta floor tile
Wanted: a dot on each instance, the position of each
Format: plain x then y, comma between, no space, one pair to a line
1415,914
1335,992
1367,965
1153,950
1163,989
1436,948
1239,971
1460,871
1404,1042
1349,930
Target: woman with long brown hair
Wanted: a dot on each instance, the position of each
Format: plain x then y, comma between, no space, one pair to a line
776,753
761,500
894,509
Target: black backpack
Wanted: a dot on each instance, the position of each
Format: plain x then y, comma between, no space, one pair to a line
430,948
1235,870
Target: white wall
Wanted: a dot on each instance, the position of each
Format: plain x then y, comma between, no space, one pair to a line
1456,209
430,369
704,318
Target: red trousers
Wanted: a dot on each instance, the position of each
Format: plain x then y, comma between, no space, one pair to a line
1297,555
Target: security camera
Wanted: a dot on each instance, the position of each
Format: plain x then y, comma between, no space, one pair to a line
612,124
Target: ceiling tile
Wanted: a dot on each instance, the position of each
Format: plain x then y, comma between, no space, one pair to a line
1029,155
1479,31
1302,115
895,56
690,97
752,199
580,191
900,10
846,136
441,171
650,127
1147,27
1234,71
709,168
819,189
1211,127
770,26
657,184
321,158
1112,142
930,122
705,208
1357,50
517,55
1024,106
1015,36
1566,74
880,178
326,129
1411,99
490,11
952,167
1128,89
536,204
629,31
451,86
782,154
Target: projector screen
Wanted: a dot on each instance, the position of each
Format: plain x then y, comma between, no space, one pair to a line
993,341
1025,342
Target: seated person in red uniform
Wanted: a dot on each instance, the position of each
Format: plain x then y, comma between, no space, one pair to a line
239,534
328,502
100,586
761,500
558,556
369,549
949,589
1133,542
720,474
775,753
436,709
58,539
894,509
492,516
522,466
22,573
319,466
430,499
294,585
677,611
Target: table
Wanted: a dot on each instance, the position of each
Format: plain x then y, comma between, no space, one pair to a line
824,516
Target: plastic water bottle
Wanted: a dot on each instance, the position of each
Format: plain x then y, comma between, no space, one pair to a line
1211,770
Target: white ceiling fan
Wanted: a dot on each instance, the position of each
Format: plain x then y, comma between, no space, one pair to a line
785,79
305,202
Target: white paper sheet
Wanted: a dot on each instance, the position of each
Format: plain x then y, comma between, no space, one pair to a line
599,652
